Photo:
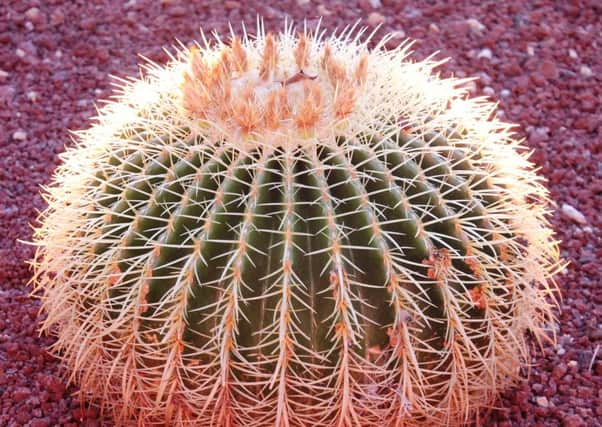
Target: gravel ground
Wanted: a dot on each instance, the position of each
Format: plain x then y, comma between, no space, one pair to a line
541,60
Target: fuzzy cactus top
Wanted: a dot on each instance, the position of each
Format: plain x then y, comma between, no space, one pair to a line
295,230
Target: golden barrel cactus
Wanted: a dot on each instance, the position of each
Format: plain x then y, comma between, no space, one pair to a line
295,229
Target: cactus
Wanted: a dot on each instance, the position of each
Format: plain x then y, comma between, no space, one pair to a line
295,229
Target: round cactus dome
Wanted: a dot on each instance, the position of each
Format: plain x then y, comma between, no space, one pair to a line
295,229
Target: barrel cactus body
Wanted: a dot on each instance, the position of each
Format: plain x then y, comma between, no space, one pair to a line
295,230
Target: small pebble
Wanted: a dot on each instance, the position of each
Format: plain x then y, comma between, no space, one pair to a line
375,19
19,135
397,37
585,71
398,34
573,54
35,16
32,13
530,50
32,96
485,53
176,11
573,214
542,401
559,371
323,10
57,17
412,12
475,25
548,69
573,421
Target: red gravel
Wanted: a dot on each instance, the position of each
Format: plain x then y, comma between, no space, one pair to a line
540,59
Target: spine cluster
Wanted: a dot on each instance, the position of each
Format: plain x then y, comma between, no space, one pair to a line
247,96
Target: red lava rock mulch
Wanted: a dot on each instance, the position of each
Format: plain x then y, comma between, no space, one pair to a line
540,59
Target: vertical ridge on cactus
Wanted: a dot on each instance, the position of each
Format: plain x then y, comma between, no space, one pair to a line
295,230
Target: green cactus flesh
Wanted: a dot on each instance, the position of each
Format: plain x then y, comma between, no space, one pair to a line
382,275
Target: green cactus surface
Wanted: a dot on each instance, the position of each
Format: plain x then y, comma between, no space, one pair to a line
295,230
